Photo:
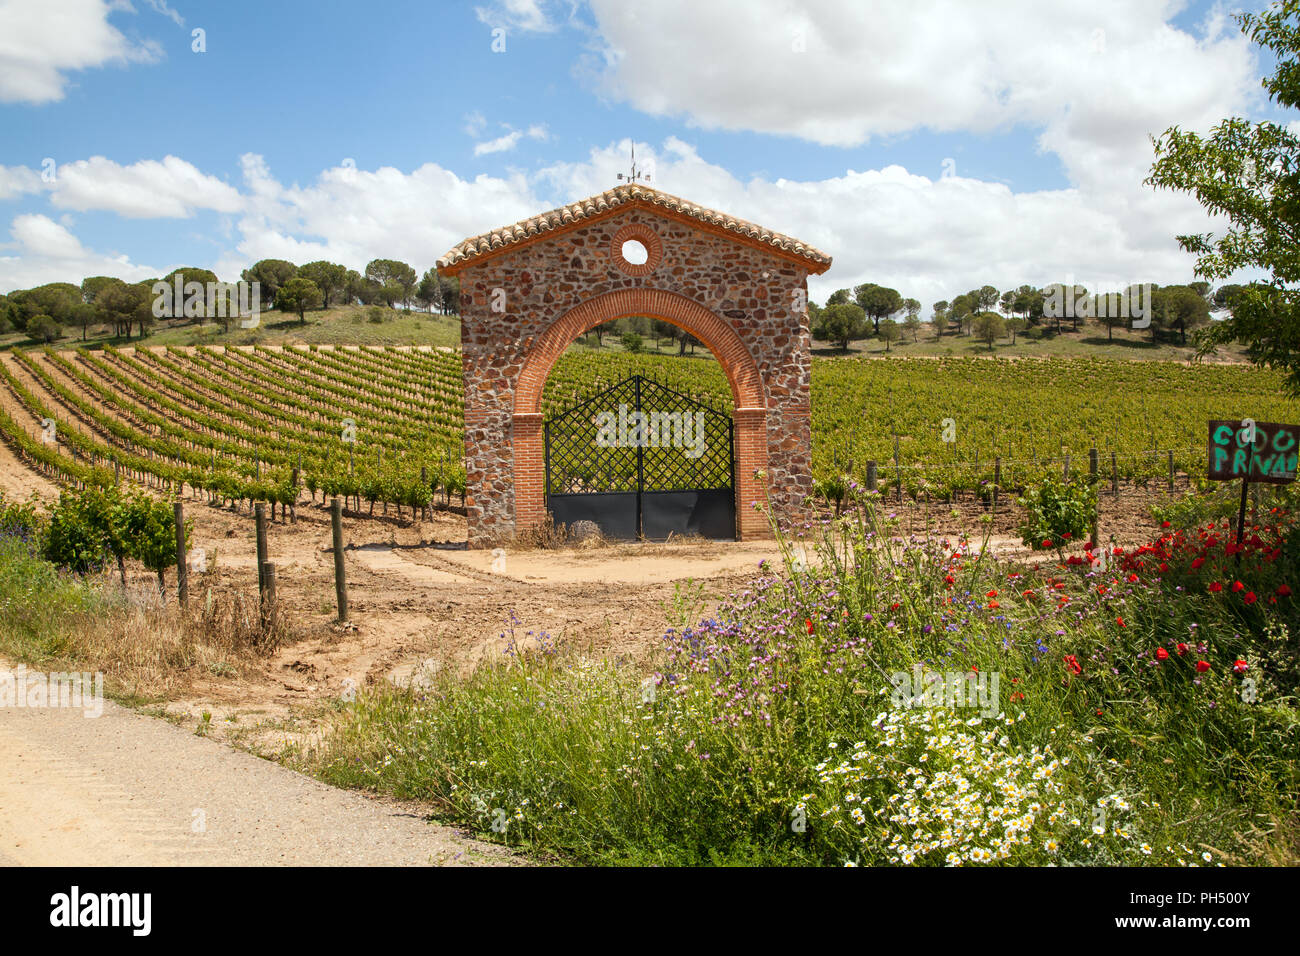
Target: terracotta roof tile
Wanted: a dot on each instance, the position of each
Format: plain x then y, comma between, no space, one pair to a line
631,194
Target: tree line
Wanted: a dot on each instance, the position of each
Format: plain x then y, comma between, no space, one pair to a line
46,311
874,311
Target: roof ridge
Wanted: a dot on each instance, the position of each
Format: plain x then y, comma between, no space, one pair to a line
601,203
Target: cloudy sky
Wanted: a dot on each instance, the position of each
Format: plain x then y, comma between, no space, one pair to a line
930,145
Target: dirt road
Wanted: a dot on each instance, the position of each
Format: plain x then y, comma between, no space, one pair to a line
126,789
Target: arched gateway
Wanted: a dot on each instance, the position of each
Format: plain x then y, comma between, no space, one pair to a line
528,290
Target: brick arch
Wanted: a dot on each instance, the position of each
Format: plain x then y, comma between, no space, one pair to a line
751,442
716,334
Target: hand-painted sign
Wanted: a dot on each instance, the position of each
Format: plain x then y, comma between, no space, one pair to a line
1255,451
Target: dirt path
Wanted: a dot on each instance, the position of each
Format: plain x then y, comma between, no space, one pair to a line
122,789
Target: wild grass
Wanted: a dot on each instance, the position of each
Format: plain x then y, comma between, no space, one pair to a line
147,650
761,731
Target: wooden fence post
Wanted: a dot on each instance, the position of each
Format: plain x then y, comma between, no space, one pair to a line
871,476
268,593
340,572
182,568
259,515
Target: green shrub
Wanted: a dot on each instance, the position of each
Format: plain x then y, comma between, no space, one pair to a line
1057,512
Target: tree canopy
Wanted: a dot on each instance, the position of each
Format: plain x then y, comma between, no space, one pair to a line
1249,173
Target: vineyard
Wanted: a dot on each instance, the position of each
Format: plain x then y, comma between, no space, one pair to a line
383,426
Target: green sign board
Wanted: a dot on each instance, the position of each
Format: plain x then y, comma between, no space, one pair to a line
1270,457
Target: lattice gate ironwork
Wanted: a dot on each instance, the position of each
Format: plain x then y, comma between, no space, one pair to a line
642,461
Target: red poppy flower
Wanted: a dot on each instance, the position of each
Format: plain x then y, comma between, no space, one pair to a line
1098,711
1163,567
992,594
807,622
1164,524
1181,648
1202,666
948,579
1197,563
994,605
1132,578
1283,591
1239,666
1249,597
1067,535
1162,654
1072,663
1237,586
1047,543
1216,587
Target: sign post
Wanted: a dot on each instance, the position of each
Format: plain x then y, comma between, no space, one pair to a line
1252,451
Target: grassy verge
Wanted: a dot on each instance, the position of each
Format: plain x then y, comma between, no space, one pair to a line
51,620
801,725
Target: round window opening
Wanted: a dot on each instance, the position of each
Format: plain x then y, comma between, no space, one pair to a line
635,253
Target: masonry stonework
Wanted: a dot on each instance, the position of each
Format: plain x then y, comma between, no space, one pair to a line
524,303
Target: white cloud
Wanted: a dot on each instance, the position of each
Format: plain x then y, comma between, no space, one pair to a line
160,6
929,238
45,251
353,215
150,189
41,42
16,180
1095,75
501,144
526,16
510,140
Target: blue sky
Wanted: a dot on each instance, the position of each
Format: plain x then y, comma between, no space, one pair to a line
930,145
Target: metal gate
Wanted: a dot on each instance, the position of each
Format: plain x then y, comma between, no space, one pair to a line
642,461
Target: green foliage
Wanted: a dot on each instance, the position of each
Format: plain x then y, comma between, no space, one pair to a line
80,532
631,342
298,295
43,328
989,327
877,302
1058,512
841,323
1247,173
272,274
328,277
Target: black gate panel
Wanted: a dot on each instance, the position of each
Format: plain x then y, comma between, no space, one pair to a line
613,512
642,461
710,513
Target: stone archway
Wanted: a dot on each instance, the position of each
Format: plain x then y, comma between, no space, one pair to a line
529,290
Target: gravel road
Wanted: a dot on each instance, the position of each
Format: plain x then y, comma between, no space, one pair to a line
126,789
